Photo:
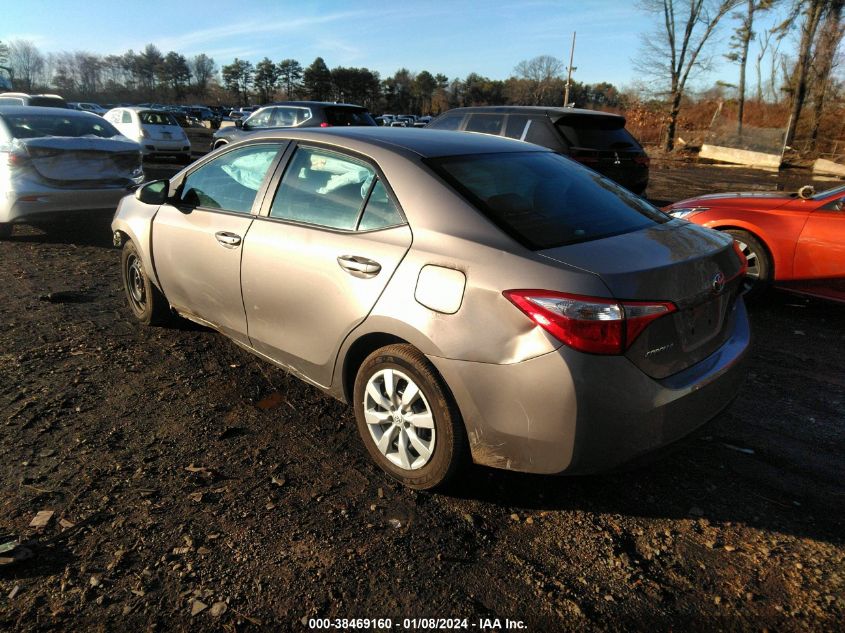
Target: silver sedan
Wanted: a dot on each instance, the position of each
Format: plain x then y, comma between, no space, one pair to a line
56,161
472,297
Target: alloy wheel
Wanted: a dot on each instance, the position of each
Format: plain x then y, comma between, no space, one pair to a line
399,419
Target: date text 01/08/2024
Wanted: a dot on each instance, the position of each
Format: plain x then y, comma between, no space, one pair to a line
491,625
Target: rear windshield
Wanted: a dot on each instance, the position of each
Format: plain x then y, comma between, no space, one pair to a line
156,118
596,132
348,116
40,125
543,199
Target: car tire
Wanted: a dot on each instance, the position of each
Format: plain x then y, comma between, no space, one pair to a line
759,275
417,436
146,301
5,230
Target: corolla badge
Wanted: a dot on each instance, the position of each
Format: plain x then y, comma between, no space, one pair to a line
718,283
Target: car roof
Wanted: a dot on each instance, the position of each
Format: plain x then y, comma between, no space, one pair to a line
422,142
20,109
551,111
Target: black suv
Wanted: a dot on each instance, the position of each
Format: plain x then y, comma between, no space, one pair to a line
294,114
598,140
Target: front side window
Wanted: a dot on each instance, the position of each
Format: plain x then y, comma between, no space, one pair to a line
543,200
323,188
230,182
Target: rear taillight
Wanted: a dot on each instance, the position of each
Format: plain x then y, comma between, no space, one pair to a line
743,260
585,157
589,324
324,124
16,159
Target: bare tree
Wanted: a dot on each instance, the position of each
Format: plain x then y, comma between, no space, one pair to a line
202,68
541,73
674,52
813,11
824,55
740,42
26,61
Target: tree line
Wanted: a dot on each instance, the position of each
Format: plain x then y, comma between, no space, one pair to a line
681,46
150,75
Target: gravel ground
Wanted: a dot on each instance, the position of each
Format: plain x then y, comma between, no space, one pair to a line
195,487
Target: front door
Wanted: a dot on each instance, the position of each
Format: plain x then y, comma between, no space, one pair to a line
820,254
198,237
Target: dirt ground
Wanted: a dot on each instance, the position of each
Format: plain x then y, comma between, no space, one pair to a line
195,487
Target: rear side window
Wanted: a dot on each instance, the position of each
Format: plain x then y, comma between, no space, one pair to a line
333,191
323,188
596,132
348,116
448,122
126,117
380,212
543,200
485,123
533,129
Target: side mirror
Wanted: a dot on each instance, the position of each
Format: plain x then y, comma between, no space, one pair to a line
154,192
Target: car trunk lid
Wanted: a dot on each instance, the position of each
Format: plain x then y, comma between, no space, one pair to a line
83,159
694,268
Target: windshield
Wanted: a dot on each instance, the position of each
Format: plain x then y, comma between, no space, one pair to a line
156,118
543,200
40,125
830,192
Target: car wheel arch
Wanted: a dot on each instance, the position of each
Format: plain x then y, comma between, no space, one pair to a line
756,234
358,352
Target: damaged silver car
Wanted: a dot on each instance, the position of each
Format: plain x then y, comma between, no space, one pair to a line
55,162
470,296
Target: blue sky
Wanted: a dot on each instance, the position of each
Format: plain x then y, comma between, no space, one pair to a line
452,37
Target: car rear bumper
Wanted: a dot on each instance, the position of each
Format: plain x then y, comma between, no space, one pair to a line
33,204
165,148
568,412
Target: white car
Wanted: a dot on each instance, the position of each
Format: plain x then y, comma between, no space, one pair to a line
157,131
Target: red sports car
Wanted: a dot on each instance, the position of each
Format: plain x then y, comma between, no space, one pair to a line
795,241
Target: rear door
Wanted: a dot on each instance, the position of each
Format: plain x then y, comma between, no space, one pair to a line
197,240
319,257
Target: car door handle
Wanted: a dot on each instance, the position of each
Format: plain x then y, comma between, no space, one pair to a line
359,266
229,240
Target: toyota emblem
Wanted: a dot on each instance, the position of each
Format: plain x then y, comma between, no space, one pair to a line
718,283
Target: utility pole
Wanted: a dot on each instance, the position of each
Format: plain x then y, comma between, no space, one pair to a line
569,72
